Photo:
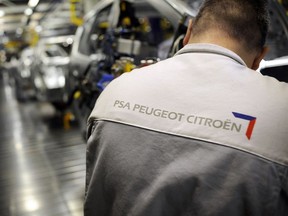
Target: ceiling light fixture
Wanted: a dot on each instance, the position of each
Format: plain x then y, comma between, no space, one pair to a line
2,13
28,12
33,3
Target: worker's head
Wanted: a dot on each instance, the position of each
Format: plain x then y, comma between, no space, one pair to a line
231,22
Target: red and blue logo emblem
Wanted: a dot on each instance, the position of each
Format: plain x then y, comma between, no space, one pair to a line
252,121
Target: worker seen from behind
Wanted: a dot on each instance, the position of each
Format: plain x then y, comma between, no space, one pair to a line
201,134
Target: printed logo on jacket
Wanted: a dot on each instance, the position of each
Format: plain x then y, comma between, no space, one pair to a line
227,125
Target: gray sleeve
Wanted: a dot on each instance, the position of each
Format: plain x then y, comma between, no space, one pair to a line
286,183
91,125
91,150
283,205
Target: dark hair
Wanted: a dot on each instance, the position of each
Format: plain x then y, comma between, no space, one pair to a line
244,20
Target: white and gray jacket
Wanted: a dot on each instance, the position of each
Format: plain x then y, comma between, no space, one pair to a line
198,134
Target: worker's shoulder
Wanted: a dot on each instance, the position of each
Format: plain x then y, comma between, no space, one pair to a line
273,86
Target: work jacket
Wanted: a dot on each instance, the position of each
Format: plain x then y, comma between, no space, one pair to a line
198,134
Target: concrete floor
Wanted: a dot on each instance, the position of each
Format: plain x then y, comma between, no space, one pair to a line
42,164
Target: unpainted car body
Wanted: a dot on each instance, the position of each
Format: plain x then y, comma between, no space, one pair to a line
50,69
24,89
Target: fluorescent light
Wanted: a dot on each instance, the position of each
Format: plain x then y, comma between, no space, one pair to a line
69,40
28,11
31,204
38,28
33,3
19,31
2,13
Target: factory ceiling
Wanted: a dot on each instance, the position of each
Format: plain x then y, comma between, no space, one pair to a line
45,17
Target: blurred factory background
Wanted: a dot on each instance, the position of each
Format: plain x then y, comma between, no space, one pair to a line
56,57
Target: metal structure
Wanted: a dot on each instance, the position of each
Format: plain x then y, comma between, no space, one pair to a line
24,22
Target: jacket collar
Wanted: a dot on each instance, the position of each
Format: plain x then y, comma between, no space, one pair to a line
210,48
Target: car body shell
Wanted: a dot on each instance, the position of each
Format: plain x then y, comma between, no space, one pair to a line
50,69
